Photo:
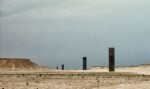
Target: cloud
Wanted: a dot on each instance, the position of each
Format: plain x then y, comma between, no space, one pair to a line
68,8
54,31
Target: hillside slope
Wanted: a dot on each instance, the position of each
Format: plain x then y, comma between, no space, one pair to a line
17,63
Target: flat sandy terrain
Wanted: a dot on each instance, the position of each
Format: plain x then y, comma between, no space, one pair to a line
96,78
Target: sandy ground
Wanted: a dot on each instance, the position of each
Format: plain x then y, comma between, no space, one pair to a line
143,69
95,78
141,85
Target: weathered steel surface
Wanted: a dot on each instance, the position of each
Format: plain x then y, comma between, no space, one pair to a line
62,67
84,63
111,59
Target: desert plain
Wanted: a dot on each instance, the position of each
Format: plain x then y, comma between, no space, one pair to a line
124,78
132,77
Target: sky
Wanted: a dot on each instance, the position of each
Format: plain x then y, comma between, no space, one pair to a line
55,32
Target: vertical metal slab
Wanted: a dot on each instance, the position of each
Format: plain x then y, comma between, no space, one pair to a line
84,63
57,67
62,66
111,59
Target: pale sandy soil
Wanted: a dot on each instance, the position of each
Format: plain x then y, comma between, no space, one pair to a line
144,69
142,85
96,78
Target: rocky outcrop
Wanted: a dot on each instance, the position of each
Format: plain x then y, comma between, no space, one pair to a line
17,63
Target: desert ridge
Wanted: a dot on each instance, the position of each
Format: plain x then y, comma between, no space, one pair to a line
17,64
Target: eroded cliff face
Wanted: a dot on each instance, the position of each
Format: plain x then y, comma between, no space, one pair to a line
17,63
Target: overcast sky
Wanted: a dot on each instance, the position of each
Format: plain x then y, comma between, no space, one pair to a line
55,32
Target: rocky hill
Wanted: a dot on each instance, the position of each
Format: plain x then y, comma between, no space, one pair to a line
17,63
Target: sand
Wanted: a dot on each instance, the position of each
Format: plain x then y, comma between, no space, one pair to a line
95,78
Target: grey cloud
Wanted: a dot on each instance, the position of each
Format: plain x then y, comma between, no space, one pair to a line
62,31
